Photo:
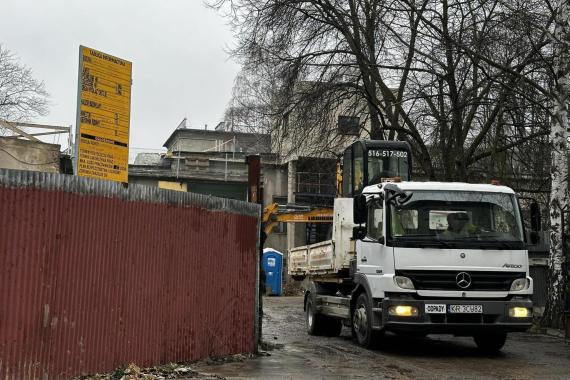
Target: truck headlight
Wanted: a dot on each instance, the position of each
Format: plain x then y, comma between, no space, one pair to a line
519,312
404,282
519,284
403,311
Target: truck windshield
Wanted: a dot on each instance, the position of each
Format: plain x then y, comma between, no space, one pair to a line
457,219
387,163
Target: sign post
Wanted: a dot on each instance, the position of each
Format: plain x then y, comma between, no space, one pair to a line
103,116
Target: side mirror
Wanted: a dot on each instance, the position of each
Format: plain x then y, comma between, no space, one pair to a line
359,211
358,233
535,218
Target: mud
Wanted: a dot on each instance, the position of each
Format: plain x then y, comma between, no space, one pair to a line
295,355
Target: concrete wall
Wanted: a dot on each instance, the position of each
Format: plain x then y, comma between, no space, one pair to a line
195,145
274,180
277,241
293,136
230,190
29,155
196,140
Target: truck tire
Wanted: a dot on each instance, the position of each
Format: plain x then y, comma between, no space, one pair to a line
319,324
314,321
490,343
361,322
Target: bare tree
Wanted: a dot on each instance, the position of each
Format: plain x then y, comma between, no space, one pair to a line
457,98
248,111
559,138
22,97
319,53
413,67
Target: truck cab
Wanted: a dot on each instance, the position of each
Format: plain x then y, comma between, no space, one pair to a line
441,258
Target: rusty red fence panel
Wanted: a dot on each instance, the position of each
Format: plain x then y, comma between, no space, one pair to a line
94,276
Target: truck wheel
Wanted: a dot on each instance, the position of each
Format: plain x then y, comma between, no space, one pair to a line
313,320
362,322
490,343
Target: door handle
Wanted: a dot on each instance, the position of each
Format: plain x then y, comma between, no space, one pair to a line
363,259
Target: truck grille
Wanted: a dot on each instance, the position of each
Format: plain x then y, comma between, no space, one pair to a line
446,280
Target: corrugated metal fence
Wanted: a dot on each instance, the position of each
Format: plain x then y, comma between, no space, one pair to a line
94,275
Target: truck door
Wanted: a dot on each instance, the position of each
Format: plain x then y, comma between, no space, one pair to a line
373,256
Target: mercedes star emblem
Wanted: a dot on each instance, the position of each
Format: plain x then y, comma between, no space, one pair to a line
462,255
463,280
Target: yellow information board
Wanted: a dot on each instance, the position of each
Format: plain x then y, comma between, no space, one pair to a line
103,116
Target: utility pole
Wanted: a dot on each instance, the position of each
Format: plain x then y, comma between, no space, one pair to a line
254,195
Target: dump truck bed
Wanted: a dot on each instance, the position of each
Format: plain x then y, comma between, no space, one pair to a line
328,257
318,259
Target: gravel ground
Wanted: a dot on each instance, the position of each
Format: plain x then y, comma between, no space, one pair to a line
296,355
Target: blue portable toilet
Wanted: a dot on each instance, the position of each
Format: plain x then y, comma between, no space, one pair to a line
272,262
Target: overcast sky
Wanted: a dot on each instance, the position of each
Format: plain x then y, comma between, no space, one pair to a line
178,49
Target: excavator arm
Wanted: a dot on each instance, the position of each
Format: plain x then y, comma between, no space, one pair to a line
274,213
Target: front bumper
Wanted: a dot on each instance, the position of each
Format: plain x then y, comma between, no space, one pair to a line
494,318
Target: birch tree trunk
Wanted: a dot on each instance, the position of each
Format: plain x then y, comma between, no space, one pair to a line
559,196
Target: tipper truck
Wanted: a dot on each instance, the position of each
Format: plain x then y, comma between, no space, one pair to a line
417,258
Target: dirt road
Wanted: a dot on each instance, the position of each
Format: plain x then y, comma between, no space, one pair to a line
525,356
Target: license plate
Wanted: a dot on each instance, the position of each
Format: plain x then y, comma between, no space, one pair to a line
435,309
465,309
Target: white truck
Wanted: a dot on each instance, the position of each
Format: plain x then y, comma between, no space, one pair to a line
419,258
